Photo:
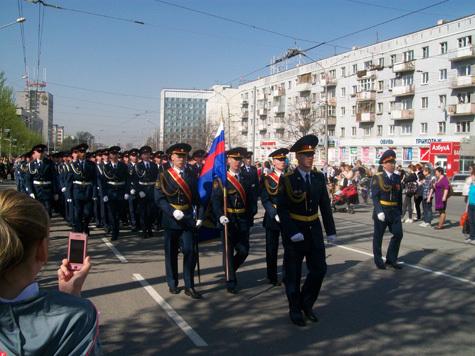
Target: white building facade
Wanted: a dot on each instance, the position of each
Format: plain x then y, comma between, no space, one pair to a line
403,94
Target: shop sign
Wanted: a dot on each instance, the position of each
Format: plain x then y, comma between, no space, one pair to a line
426,141
444,148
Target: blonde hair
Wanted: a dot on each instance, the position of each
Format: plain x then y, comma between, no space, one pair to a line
23,223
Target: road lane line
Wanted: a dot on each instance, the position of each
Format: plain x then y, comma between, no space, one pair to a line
197,340
115,251
412,266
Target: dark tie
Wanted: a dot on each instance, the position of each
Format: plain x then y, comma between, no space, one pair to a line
181,174
307,183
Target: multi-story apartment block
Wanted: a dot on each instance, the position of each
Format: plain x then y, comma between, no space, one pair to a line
403,93
58,136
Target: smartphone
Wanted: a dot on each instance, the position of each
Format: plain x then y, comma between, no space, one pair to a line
77,250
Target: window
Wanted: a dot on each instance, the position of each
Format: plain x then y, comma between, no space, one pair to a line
331,132
392,83
290,85
342,132
355,68
392,106
367,84
381,62
353,131
380,108
393,58
406,128
462,127
354,89
380,130
391,130
343,92
408,56
408,80
380,85
463,70
367,131
423,127
331,111
441,127
442,74
442,101
425,52
353,110
463,98
443,47
332,73
406,104
343,111
425,78
368,64
424,102
464,41
343,71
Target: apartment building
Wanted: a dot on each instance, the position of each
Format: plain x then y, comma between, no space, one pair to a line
404,93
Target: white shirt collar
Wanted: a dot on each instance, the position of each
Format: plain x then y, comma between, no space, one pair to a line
26,293
303,173
177,170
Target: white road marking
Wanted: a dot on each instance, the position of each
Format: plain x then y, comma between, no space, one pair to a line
197,340
115,251
412,266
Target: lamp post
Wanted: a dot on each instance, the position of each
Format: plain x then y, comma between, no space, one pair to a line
18,20
156,134
229,114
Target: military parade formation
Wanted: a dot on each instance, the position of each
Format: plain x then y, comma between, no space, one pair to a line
147,191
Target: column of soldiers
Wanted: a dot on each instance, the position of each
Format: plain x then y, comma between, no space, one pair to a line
158,190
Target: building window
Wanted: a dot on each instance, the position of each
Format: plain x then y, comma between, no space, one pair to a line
443,47
343,71
392,83
367,131
463,70
380,85
381,62
332,73
331,132
343,111
393,58
342,132
353,131
343,92
423,127
353,110
392,105
463,126
406,104
408,56
354,89
380,108
355,68
425,52
408,80
442,101
380,130
391,130
441,127
290,84
406,128
443,74
463,98
424,102
367,64
425,78
367,84
464,41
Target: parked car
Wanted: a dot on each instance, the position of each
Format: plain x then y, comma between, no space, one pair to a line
458,181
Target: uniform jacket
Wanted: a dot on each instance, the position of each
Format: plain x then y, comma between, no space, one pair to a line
86,175
386,191
292,198
142,176
46,172
118,175
254,178
167,192
269,188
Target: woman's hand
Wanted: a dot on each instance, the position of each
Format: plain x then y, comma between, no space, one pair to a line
70,281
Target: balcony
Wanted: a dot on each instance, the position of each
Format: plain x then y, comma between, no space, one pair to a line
244,114
365,117
278,109
365,74
331,120
279,92
403,90
366,95
407,114
304,87
462,53
261,97
464,81
408,66
243,102
304,105
329,82
243,128
278,126
262,112
461,109
262,127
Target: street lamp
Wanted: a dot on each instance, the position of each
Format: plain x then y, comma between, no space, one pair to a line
156,133
18,20
229,113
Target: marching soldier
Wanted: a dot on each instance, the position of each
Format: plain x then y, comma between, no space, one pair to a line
133,202
176,193
301,192
64,174
252,172
386,190
269,185
95,196
238,215
114,181
144,177
82,184
40,178
198,166
100,176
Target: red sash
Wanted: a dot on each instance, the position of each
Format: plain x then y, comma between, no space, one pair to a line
181,183
274,177
238,186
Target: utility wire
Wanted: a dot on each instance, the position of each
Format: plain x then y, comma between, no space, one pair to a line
104,92
22,31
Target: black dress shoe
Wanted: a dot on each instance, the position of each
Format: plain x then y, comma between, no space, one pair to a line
297,319
275,283
192,293
310,315
394,265
232,290
144,235
150,233
381,266
133,229
174,290
113,238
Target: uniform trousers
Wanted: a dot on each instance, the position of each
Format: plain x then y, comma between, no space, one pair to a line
272,248
148,212
173,240
82,214
116,210
133,211
393,223
238,241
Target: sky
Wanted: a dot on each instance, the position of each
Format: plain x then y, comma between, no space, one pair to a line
107,61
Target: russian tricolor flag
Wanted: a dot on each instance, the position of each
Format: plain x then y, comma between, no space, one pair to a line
215,167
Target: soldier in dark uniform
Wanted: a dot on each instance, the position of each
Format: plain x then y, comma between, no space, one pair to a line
144,177
114,180
252,172
40,179
238,215
157,157
64,174
269,185
386,190
176,193
95,196
100,176
165,162
82,184
301,192
198,166
132,201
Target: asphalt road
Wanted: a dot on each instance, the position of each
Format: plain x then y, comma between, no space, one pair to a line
428,308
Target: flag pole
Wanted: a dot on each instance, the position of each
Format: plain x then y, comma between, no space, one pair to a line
225,196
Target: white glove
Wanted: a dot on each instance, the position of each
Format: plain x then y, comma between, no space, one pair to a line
63,189
132,191
331,238
56,197
223,220
142,194
277,218
178,214
94,198
126,196
105,199
297,237
32,195
381,217
198,223
69,200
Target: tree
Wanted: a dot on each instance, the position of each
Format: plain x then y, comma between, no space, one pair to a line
68,143
87,138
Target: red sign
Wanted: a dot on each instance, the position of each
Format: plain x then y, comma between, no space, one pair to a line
267,143
424,154
444,148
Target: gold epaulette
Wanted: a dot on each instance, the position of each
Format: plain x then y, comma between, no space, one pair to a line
288,174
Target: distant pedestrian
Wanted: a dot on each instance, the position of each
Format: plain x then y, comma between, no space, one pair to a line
471,207
440,191
427,181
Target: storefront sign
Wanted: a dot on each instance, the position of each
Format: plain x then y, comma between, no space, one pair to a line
267,143
444,148
426,141
386,142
